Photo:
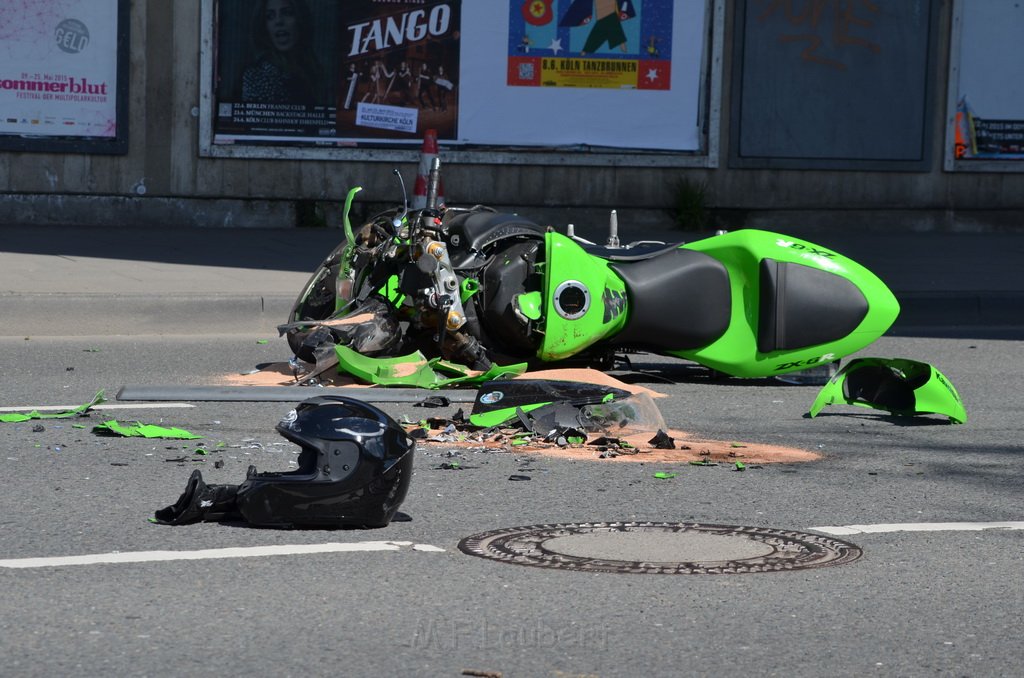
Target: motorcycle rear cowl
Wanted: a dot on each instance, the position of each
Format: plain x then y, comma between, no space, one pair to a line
795,305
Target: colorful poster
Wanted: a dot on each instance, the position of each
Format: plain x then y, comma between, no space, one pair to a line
570,74
327,72
620,44
59,68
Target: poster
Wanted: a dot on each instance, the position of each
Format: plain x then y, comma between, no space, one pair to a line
59,69
533,80
989,116
327,72
590,43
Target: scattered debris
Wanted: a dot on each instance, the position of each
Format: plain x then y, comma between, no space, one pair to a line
665,475
662,441
434,401
80,411
113,427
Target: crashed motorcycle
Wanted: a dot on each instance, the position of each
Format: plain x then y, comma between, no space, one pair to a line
480,288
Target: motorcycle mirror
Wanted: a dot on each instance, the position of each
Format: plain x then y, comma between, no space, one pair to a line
397,221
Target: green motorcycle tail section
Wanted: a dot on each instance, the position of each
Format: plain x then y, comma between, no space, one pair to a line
584,298
791,304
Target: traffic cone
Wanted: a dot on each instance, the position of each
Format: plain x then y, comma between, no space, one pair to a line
427,155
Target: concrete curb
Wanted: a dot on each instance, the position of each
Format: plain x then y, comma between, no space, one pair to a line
45,315
41,315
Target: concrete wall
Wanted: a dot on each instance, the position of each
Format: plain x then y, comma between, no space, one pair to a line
163,181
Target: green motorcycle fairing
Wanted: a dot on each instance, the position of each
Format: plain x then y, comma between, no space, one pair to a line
585,300
794,305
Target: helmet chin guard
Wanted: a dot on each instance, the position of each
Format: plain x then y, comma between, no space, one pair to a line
354,470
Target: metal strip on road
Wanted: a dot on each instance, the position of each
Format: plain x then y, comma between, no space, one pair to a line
210,554
281,394
61,408
841,530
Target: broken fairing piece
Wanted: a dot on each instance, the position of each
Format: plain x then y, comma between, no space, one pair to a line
354,471
548,407
138,429
498,401
415,370
897,385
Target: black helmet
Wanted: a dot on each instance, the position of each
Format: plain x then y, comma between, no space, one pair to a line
354,469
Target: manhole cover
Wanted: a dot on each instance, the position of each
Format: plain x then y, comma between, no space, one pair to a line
659,548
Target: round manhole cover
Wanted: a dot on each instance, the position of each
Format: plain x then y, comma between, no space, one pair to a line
659,548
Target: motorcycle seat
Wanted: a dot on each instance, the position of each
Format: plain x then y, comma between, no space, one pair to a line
680,299
801,306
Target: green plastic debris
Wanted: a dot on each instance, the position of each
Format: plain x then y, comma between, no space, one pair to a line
740,466
139,429
470,286
416,371
664,475
530,304
262,341
79,411
703,462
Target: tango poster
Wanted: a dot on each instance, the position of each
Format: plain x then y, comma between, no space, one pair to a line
619,44
332,73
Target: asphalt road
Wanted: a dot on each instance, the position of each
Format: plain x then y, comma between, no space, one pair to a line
916,603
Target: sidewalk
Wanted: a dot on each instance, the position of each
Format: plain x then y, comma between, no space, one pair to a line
92,281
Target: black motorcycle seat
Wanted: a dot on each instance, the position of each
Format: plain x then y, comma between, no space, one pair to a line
801,306
678,300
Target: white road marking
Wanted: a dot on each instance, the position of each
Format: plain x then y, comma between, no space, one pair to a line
112,406
208,554
840,530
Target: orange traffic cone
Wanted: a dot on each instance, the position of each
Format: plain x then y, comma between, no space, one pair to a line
419,192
